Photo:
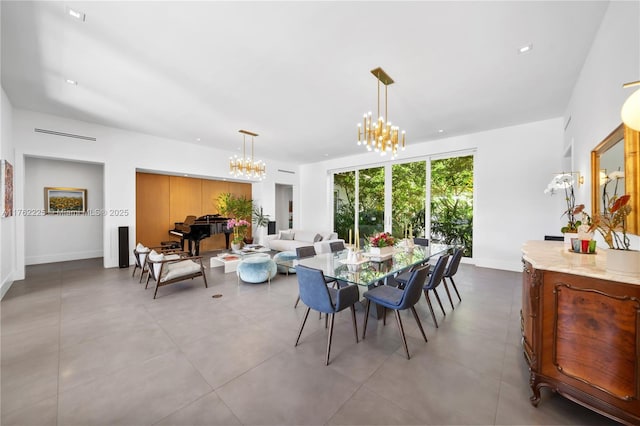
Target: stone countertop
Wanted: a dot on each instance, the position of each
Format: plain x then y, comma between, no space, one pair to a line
554,256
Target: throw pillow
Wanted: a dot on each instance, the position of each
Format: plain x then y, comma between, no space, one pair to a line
317,238
331,236
286,236
156,257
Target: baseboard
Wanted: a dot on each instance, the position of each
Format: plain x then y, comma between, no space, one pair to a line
6,285
499,264
62,257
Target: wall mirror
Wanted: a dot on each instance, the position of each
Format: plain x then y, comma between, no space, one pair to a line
618,151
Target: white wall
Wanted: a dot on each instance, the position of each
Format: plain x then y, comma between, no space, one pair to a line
7,224
513,165
512,168
121,152
594,108
56,238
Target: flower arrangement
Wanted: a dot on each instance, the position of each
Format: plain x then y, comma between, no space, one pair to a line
612,222
382,239
239,227
564,181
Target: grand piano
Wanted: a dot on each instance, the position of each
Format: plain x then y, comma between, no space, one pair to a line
195,230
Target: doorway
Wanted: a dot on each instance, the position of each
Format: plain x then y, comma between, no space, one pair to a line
284,206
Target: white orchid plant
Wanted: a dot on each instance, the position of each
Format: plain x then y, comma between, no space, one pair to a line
564,182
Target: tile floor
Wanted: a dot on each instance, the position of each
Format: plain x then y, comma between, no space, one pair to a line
83,345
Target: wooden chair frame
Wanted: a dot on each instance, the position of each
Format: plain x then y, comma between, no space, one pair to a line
143,266
159,283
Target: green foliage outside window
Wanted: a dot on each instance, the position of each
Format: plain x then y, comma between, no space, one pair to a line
344,189
409,182
371,201
452,201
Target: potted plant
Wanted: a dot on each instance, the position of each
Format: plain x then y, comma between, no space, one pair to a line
381,243
260,219
612,226
235,206
564,182
239,227
238,208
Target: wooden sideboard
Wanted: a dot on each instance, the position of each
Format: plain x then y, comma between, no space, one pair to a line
581,329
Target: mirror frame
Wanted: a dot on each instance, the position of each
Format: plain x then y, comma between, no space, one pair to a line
631,140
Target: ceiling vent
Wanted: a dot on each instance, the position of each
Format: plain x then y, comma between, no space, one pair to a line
66,135
287,171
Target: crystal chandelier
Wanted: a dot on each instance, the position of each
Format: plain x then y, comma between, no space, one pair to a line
378,136
239,167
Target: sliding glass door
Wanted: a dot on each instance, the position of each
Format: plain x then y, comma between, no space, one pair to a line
344,202
371,201
430,198
452,201
409,195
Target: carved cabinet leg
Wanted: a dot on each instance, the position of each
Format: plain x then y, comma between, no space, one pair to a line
535,389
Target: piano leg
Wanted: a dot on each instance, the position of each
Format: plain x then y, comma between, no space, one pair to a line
197,248
226,240
190,247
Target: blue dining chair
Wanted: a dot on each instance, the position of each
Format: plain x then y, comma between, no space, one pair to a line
315,293
436,276
398,300
451,270
302,253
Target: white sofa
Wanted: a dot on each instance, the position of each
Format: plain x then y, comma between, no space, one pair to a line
289,239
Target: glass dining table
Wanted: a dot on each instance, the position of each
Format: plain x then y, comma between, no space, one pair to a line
368,271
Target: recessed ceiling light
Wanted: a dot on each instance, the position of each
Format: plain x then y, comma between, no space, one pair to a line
72,82
440,130
197,139
525,49
76,14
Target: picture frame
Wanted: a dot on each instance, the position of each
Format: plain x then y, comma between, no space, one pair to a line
59,200
6,188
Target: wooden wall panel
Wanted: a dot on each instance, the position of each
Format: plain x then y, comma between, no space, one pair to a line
152,208
185,198
240,189
162,200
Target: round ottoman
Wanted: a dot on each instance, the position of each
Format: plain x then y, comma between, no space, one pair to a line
256,269
285,255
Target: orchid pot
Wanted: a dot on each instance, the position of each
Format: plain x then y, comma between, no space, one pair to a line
624,262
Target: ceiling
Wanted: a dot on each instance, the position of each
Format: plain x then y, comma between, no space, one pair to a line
296,73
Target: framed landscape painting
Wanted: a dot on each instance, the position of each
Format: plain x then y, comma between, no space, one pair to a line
65,200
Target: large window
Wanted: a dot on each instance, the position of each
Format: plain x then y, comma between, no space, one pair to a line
344,202
371,201
452,201
409,196
432,198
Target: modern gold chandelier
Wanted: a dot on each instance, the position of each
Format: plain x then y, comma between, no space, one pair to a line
379,136
239,167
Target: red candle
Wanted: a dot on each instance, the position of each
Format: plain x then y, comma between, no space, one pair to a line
585,246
